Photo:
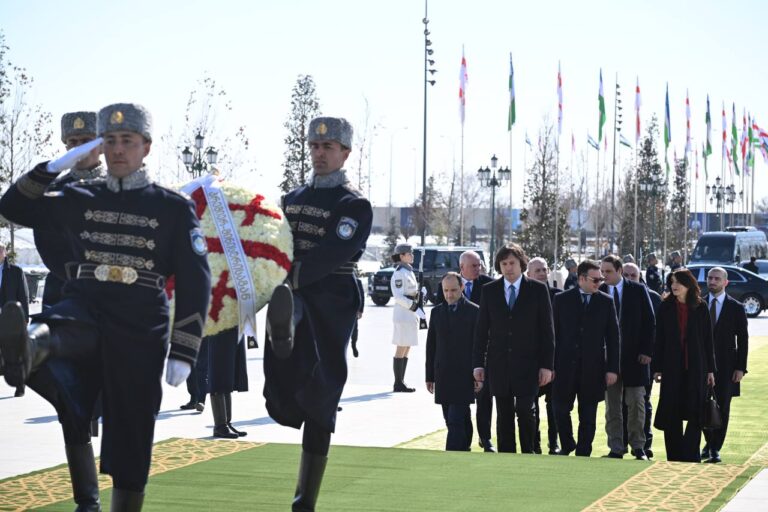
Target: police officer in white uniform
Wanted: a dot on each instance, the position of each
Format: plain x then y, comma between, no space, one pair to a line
405,290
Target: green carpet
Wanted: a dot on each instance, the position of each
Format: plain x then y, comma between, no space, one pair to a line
379,479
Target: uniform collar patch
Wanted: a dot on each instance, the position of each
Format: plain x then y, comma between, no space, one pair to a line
138,179
331,180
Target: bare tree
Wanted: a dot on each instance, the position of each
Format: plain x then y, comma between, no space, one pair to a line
25,128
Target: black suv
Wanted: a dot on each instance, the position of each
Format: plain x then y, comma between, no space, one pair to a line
439,260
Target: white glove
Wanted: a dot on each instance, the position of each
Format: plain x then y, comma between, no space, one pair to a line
73,156
177,371
420,313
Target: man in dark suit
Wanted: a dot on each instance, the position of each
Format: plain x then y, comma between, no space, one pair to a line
539,270
470,267
729,321
638,325
632,272
587,356
449,360
514,340
13,287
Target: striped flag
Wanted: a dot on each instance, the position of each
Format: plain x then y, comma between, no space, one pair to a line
559,101
623,141
463,78
687,125
512,114
734,141
725,129
601,106
704,155
744,139
708,147
667,129
638,102
592,142
750,145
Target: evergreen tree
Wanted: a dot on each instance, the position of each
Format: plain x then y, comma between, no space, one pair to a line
677,223
304,107
540,200
393,234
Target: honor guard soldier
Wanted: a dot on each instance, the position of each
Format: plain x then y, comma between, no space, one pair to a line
77,128
127,236
310,318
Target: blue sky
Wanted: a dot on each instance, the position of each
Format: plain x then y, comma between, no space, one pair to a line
85,54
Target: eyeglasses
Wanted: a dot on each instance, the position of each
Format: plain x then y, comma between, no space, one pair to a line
596,280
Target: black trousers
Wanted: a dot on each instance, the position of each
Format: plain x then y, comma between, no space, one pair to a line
483,413
587,426
458,419
716,438
507,407
197,382
551,421
683,445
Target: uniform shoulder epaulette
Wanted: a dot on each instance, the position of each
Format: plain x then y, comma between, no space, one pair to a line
399,267
349,187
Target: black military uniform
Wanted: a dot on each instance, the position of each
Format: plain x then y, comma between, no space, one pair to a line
127,236
330,221
58,380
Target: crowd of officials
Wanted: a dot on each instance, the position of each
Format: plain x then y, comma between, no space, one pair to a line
608,336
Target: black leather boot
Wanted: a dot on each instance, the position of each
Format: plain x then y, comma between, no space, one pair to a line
311,472
280,321
23,348
228,402
126,501
219,408
398,366
82,472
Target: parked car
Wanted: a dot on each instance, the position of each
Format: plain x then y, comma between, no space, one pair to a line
438,260
730,247
762,267
748,288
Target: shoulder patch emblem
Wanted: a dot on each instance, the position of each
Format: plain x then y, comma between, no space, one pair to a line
346,228
398,283
199,244
54,193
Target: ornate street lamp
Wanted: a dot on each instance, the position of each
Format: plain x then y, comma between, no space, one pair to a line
199,161
493,178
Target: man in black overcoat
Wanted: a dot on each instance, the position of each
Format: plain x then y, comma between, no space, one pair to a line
731,338
470,266
514,340
449,360
638,325
13,287
587,356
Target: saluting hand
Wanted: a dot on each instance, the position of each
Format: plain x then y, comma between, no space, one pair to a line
71,157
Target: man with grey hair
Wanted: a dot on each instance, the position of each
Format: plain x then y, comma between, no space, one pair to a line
310,317
731,338
538,269
470,270
128,235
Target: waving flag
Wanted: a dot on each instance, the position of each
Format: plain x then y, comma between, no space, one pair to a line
637,111
559,100
704,155
667,129
601,106
462,86
744,140
708,147
725,129
512,115
592,142
734,141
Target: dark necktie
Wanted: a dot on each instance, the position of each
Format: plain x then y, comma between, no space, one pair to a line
616,299
468,289
453,308
585,300
512,297
713,311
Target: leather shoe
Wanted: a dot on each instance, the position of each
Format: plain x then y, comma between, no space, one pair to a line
613,455
19,392
280,321
199,407
487,446
705,453
639,454
714,457
554,451
648,453
188,406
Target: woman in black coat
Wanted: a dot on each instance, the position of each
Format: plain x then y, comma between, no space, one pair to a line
684,363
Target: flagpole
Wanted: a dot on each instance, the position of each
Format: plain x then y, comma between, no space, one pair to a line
613,167
511,181
597,205
461,194
557,201
637,179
